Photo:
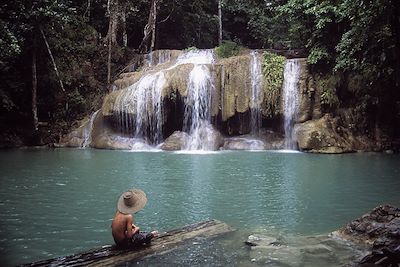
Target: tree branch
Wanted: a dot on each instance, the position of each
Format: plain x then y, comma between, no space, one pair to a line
164,20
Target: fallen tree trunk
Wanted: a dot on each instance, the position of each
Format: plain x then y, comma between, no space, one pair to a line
111,256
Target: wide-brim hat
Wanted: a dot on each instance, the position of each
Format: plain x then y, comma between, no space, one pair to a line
132,201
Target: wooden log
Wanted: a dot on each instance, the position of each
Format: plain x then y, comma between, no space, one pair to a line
112,256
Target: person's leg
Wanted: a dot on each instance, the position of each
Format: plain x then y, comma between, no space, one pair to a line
142,238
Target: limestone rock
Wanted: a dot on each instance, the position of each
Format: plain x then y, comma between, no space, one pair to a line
235,85
176,141
310,100
75,138
322,136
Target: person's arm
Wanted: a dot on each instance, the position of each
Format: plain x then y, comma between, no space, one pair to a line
129,226
135,229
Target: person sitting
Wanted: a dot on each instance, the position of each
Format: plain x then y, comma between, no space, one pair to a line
125,233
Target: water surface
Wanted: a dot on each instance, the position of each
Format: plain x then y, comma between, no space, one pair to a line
59,202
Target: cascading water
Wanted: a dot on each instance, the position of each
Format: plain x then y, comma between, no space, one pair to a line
87,132
197,117
156,57
256,93
290,100
143,100
140,107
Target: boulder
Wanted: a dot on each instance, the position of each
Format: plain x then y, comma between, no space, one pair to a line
112,141
243,143
175,141
323,136
75,138
379,231
205,137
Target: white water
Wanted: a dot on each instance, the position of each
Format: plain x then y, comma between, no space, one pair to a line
87,132
256,93
156,57
197,117
290,100
140,106
143,99
205,56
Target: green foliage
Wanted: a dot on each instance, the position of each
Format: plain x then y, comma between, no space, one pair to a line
227,49
328,87
189,49
272,67
317,54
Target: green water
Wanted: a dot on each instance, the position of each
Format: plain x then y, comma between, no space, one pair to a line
59,202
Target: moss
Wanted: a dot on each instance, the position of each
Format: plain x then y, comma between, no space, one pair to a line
227,49
272,66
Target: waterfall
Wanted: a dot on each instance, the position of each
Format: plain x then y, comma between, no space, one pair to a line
156,57
205,56
140,106
197,117
143,100
290,100
87,132
256,93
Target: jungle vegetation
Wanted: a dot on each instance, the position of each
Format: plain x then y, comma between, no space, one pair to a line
58,57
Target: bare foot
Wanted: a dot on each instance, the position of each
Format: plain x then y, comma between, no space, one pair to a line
155,233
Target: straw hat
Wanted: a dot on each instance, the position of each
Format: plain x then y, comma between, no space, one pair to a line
132,201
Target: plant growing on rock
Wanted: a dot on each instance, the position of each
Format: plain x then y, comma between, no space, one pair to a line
272,67
227,49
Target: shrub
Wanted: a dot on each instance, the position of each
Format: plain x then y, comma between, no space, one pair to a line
227,49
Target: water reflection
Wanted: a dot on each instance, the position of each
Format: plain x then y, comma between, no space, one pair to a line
70,195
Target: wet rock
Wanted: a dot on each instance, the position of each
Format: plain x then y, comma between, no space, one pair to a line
379,231
111,141
294,250
257,240
75,138
239,143
176,141
321,136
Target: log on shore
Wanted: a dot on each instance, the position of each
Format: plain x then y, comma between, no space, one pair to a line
112,256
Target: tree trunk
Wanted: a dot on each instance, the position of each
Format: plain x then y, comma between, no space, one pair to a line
396,33
153,26
149,29
109,60
34,84
124,33
112,11
220,22
166,242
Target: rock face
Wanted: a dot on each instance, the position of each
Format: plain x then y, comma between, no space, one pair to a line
310,100
161,107
379,230
328,135
322,136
